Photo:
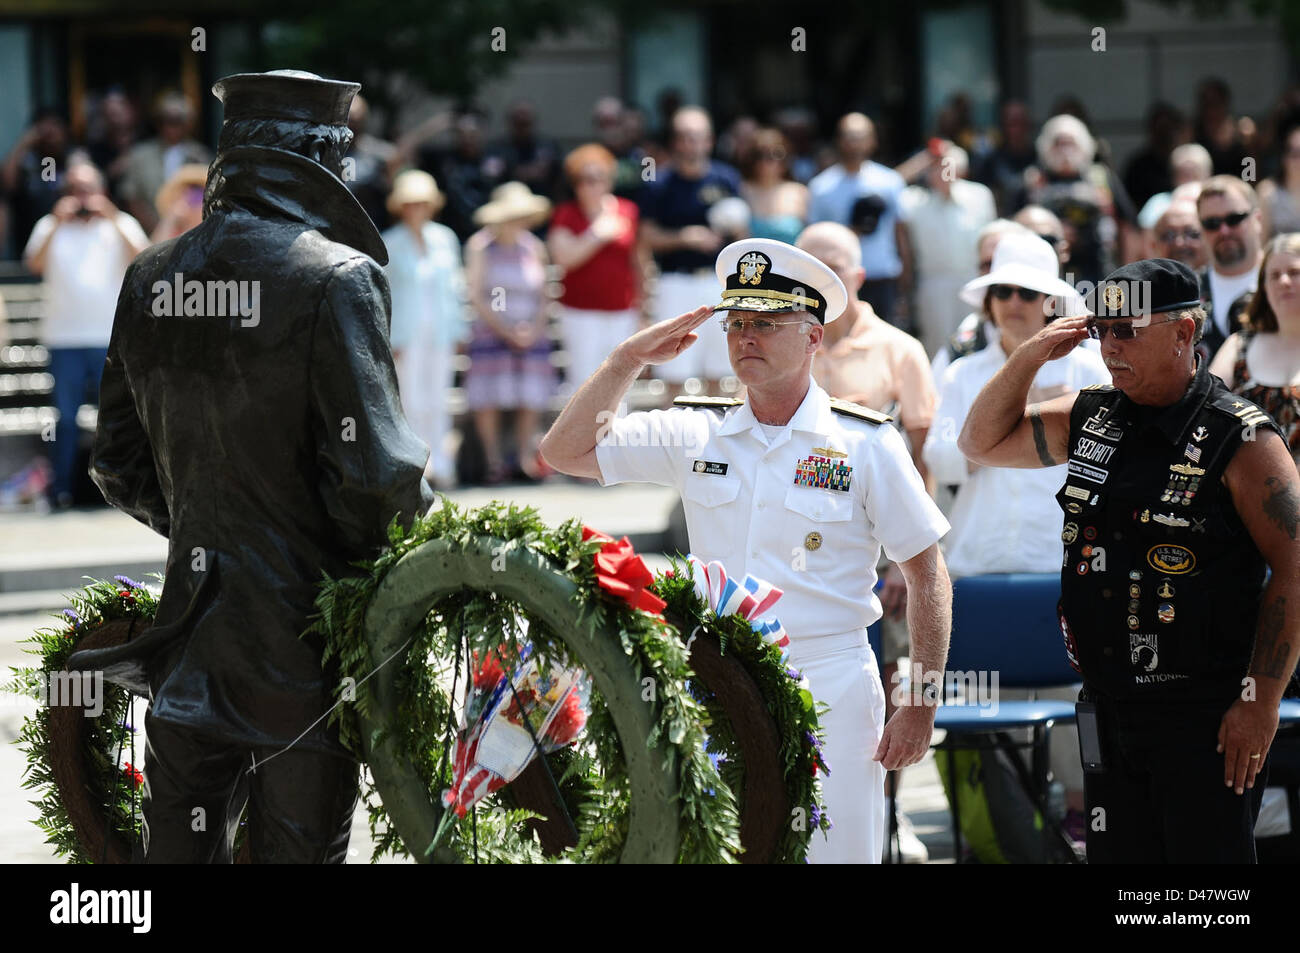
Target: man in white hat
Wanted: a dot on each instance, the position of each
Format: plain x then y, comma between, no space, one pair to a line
797,489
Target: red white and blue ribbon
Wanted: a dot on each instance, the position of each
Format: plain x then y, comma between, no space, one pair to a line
750,598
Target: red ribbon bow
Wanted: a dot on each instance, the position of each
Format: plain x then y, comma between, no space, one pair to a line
620,571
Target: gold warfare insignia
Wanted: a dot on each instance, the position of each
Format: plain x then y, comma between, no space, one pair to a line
1070,533
830,452
812,541
1113,297
1186,469
751,267
1175,560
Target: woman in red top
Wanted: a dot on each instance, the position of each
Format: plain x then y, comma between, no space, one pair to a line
593,241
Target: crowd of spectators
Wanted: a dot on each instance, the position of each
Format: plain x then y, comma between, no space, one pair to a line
532,260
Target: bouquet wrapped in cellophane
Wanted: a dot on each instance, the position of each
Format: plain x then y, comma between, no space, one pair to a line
513,711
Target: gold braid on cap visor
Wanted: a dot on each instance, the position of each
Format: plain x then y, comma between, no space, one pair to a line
757,294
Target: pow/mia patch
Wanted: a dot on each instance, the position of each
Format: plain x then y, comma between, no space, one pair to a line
751,268
710,467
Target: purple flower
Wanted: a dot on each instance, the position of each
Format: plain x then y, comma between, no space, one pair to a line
73,616
793,674
815,815
128,582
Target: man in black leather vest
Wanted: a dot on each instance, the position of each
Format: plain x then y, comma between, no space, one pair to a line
1179,497
249,413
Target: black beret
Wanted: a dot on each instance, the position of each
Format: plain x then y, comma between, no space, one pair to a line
286,94
1150,286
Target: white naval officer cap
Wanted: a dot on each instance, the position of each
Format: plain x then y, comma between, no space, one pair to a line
762,274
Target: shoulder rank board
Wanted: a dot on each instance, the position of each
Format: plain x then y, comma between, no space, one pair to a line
850,409
708,403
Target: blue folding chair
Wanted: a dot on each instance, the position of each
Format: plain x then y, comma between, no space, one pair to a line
1006,624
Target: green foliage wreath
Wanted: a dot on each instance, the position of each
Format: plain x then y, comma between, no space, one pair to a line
786,696
87,805
589,776
592,778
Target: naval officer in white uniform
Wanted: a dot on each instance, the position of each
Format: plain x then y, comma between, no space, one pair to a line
797,489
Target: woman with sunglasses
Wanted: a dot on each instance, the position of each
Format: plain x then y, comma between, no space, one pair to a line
778,204
1003,520
1261,362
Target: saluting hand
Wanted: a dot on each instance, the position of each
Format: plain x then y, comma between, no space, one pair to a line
662,342
1056,340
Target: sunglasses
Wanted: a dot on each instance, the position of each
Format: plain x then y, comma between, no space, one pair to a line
760,325
1004,293
1232,221
1187,235
1121,330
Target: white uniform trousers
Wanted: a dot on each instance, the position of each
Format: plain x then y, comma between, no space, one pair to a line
842,672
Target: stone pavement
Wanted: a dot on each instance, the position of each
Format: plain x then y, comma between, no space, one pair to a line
43,556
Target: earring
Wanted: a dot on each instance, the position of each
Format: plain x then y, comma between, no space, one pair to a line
1179,352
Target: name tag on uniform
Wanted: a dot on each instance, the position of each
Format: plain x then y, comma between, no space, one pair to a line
710,467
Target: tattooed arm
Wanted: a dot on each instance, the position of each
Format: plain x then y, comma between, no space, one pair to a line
1266,493
1000,431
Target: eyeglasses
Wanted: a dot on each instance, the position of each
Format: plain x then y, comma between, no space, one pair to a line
1232,221
1187,235
1122,330
759,325
1004,293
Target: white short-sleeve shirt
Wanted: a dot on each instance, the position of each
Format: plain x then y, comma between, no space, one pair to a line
808,511
84,268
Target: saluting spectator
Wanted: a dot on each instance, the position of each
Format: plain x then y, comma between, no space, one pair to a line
594,240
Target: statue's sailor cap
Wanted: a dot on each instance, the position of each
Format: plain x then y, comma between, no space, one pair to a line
289,94
761,274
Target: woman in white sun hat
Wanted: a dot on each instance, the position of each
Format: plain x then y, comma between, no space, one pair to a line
1007,520
428,287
